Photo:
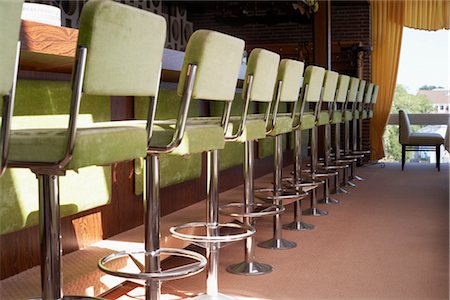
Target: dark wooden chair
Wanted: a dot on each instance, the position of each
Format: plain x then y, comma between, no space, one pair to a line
418,141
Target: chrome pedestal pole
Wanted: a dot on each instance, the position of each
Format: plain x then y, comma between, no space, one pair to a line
49,231
277,242
152,223
249,266
337,148
297,224
314,210
327,199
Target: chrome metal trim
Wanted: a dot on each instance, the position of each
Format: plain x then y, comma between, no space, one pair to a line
180,125
270,129
244,114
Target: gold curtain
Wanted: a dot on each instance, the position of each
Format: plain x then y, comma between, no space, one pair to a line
427,14
387,29
388,19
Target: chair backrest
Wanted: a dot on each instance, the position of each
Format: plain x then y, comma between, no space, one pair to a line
405,127
369,93
329,86
10,11
353,89
124,49
361,90
313,80
218,59
374,95
290,73
342,86
263,66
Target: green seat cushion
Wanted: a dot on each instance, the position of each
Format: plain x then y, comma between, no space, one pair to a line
348,116
197,138
308,121
364,114
425,139
96,144
337,117
254,129
356,115
324,118
371,114
283,124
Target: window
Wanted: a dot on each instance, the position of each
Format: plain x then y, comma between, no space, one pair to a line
442,107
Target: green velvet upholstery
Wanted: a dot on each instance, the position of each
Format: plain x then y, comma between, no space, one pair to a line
337,117
263,65
329,86
324,118
308,121
290,72
10,11
283,124
353,89
342,87
371,114
407,137
356,115
41,104
361,91
218,58
348,116
314,79
113,34
364,114
266,147
49,144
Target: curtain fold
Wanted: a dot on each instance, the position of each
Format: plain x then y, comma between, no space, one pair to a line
388,19
387,29
427,14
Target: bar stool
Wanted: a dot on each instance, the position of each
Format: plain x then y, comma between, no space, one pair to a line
9,58
210,72
260,80
102,67
278,124
344,156
369,101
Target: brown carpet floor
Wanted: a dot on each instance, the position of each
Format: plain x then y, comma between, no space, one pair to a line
388,239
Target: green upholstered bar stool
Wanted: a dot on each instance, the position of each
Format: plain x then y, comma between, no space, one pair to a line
210,72
344,156
363,108
10,12
128,65
367,114
288,82
260,78
336,120
310,96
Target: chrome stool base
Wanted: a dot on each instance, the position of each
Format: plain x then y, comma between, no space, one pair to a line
351,184
341,191
298,226
329,200
316,212
249,268
359,178
278,244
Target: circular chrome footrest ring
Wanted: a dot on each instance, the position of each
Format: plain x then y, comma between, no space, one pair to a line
170,274
352,156
212,232
359,152
256,210
283,195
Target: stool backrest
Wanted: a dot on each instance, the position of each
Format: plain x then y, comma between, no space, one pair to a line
361,90
368,94
10,11
342,88
353,89
373,100
329,86
124,49
312,83
262,68
405,127
290,73
218,58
